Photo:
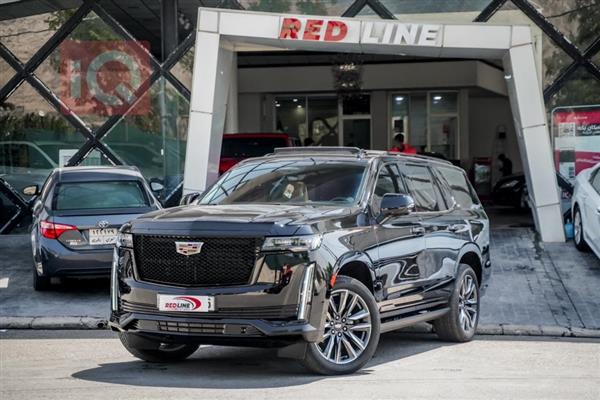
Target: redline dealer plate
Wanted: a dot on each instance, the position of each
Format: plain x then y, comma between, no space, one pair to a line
186,303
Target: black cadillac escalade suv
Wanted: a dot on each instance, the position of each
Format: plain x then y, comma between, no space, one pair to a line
316,251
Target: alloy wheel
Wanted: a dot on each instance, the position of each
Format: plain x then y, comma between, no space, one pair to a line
467,303
347,327
577,227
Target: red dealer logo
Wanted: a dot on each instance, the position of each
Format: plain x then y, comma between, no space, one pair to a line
314,29
101,77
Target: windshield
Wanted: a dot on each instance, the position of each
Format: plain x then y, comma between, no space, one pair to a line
289,182
239,147
100,195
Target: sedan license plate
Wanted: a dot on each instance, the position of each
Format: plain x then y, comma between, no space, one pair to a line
98,237
186,303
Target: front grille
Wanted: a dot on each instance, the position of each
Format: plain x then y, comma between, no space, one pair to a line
222,261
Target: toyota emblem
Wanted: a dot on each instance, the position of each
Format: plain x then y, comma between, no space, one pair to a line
103,224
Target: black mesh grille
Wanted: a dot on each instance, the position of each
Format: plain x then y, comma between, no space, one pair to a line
222,261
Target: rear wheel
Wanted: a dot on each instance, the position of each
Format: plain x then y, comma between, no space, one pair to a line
40,283
351,330
460,323
578,238
164,352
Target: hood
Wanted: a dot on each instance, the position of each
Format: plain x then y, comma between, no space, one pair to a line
266,218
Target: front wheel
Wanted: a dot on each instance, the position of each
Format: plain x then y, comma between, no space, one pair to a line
460,323
351,330
578,238
162,353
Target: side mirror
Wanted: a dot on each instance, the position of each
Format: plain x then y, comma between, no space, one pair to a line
188,198
32,190
156,186
394,204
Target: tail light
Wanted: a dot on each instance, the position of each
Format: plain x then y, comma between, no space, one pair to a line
226,163
51,230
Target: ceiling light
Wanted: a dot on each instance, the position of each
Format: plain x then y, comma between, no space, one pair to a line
437,97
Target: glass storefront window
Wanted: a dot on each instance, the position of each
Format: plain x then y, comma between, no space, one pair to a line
357,133
448,11
94,70
323,120
443,102
24,36
34,138
400,118
184,67
290,116
576,19
356,105
310,7
154,140
443,135
581,89
6,72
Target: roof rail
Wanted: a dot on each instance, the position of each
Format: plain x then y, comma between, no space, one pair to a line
318,149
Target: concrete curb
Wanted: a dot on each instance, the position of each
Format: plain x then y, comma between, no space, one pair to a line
50,323
519,330
84,323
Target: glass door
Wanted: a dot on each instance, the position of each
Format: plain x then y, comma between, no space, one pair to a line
355,113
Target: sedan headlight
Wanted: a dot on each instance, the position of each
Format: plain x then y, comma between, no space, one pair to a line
292,243
125,240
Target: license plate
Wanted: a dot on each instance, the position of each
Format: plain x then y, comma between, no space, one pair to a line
186,303
99,237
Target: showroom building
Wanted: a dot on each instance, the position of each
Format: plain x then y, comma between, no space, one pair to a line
456,107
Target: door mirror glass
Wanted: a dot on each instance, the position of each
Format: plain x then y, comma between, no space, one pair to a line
32,190
156,186
188,198
397,204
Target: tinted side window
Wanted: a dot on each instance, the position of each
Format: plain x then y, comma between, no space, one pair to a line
388,181
461,189
423,188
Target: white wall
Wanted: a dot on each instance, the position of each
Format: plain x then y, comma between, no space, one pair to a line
249,112
486,114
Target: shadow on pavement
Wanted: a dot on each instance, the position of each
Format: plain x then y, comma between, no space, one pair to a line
215,367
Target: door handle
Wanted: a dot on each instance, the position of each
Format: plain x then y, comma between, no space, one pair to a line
417,230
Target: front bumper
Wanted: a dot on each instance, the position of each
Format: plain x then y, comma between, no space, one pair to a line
274,308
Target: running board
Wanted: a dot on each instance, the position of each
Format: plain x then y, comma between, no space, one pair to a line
404,322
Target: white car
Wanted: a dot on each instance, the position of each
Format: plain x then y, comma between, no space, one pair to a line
586,210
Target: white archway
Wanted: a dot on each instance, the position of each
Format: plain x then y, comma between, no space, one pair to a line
220,33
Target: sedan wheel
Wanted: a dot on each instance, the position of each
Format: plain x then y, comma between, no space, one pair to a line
578,238
347,327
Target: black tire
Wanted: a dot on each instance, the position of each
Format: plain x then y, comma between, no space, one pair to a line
163,353
318,363
450,327
578,238
40,283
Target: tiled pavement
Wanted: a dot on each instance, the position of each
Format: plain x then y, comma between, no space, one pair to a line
537,283
532,284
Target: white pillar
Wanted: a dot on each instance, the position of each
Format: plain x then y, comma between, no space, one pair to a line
529,115
210,87
231,119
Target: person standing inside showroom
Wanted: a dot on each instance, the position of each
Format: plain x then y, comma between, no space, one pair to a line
401,147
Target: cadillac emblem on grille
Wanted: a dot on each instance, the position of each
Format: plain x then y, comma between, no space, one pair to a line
188,248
